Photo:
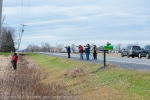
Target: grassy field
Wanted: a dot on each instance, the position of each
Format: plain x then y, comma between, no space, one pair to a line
5,53
85,80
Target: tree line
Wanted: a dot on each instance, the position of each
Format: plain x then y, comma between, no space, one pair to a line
7,37
46,47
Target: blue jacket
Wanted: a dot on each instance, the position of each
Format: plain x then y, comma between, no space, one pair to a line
87,49
68,49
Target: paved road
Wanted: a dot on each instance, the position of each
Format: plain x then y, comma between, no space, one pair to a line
128,63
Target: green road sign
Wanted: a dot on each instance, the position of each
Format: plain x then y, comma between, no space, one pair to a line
108,46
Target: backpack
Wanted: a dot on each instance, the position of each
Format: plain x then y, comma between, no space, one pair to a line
12,61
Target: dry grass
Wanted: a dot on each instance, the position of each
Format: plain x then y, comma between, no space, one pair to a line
110,54
84,80
25,84
76,72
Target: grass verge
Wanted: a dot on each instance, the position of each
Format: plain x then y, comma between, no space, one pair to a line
84,79
5,53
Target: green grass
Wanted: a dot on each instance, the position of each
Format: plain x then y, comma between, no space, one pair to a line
133,82
129,84
5,53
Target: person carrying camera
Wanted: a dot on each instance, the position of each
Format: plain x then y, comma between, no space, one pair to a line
14,61
87,51
81,52
94,51
68,51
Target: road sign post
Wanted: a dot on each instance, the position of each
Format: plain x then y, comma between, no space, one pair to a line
106,48
104,58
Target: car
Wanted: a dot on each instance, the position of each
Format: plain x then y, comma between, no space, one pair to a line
131,50
144,52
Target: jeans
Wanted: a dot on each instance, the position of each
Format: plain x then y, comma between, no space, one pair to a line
81,55
87,56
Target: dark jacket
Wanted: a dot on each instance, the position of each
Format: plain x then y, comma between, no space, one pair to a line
68,49
87,49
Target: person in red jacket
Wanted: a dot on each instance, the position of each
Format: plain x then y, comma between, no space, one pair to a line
14,61
81,52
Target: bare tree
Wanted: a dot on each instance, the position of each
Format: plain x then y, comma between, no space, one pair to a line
136,43
73,47
101,48
32,48
118,47
60,47
43,47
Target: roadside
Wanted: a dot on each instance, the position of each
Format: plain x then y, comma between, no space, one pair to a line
26,83
59,78
101,54
126,63
23,83
110,54
83,79
5,65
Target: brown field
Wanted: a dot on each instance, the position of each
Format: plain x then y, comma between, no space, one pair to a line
110,54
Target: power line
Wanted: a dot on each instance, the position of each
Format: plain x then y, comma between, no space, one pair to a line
22,11
28,10
21,18
18,11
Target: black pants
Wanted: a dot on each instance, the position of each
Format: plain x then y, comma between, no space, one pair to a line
69,55
15,66
95,55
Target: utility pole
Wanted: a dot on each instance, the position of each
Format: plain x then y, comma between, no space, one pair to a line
18,45
20,35
1,4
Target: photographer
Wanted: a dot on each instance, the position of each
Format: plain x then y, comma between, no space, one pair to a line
94,51
14,61
68,51
81,52
87,51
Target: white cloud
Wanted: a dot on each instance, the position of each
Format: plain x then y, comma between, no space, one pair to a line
81,21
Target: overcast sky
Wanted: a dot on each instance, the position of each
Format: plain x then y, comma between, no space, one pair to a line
80,21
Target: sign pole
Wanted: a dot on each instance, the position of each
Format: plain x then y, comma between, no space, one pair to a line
104,58
106,48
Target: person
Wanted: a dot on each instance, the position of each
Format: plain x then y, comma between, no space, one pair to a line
81,52
87,51
14,61
68,51
94,51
